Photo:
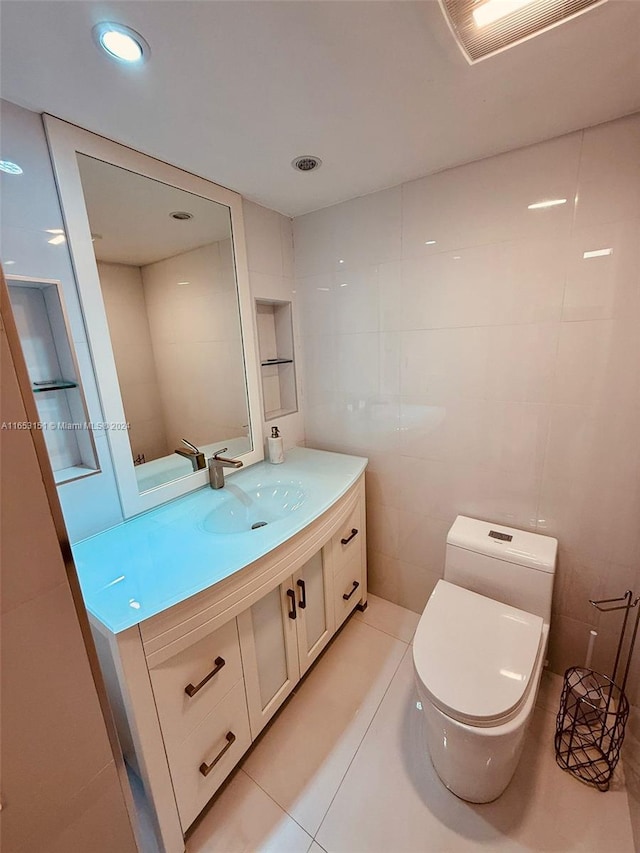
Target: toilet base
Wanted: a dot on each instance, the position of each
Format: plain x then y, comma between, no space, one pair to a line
477,763
475,767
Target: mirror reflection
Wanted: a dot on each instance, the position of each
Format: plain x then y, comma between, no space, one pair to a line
166,268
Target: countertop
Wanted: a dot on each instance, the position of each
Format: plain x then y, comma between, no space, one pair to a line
151,562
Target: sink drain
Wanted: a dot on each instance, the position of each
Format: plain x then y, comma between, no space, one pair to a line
258,524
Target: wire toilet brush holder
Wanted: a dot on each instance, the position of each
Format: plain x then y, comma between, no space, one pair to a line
594,710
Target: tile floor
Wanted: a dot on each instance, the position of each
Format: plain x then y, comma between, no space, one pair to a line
344,769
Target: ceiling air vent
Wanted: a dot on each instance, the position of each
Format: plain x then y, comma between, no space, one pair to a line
485,27
306,163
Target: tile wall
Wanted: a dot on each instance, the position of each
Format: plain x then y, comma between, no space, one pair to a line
271,276
466,345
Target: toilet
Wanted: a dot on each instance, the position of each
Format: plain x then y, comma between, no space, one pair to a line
478,653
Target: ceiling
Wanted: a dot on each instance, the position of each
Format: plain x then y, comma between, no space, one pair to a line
233,91
129,216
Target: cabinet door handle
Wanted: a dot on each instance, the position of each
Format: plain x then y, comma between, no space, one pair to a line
190,690
354,533
292,596
347,595
205,768
303,601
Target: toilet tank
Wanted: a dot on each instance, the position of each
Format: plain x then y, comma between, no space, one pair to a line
508,565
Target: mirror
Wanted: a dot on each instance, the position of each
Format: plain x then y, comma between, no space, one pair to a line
161,271
167,277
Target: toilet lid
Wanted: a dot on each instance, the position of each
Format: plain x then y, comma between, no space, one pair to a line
475,656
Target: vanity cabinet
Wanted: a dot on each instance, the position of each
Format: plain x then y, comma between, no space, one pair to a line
282,635
192,686
349,564
200,697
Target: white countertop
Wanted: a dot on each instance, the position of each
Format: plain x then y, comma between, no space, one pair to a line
139,568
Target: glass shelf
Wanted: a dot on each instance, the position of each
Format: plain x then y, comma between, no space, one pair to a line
50,358
53,385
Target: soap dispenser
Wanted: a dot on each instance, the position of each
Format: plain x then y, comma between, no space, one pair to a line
275,446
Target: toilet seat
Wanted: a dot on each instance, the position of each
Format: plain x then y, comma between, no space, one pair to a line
475,656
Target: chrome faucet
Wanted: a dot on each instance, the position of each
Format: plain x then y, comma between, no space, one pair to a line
195,456
217,464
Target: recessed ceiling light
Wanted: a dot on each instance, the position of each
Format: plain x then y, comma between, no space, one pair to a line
54,230
346,284
8,263
306,163
429,242
183,283
121,42
553,202
181,215
57,240
341,261
494,10
10,168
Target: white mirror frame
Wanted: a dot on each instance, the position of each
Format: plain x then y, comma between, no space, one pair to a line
65,141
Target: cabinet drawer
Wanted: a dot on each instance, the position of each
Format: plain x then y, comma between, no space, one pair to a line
214,747
344,585
207,670
346,544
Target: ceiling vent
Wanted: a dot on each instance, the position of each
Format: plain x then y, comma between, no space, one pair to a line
485,27
306,163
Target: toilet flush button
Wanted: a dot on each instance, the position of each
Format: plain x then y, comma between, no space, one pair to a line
503,537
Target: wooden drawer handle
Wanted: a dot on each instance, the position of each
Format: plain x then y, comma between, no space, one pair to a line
190,690
346,541
204,768
347,595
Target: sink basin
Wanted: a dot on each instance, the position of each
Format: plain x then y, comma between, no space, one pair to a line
243,510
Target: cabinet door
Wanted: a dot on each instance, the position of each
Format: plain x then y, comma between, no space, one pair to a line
268,644
314,600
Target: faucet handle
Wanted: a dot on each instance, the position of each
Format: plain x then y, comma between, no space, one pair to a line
218,452
189,445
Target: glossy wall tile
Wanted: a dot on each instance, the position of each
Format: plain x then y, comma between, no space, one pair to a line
482,349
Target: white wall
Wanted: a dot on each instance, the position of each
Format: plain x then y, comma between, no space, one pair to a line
124,302
271,276
494,373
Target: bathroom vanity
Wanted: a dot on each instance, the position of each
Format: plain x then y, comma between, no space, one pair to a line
205,617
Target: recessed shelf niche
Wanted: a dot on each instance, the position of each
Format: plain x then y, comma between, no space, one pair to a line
277,361
51,363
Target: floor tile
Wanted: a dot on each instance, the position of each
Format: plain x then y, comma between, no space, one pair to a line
391,798
303,756
390,618
245,820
